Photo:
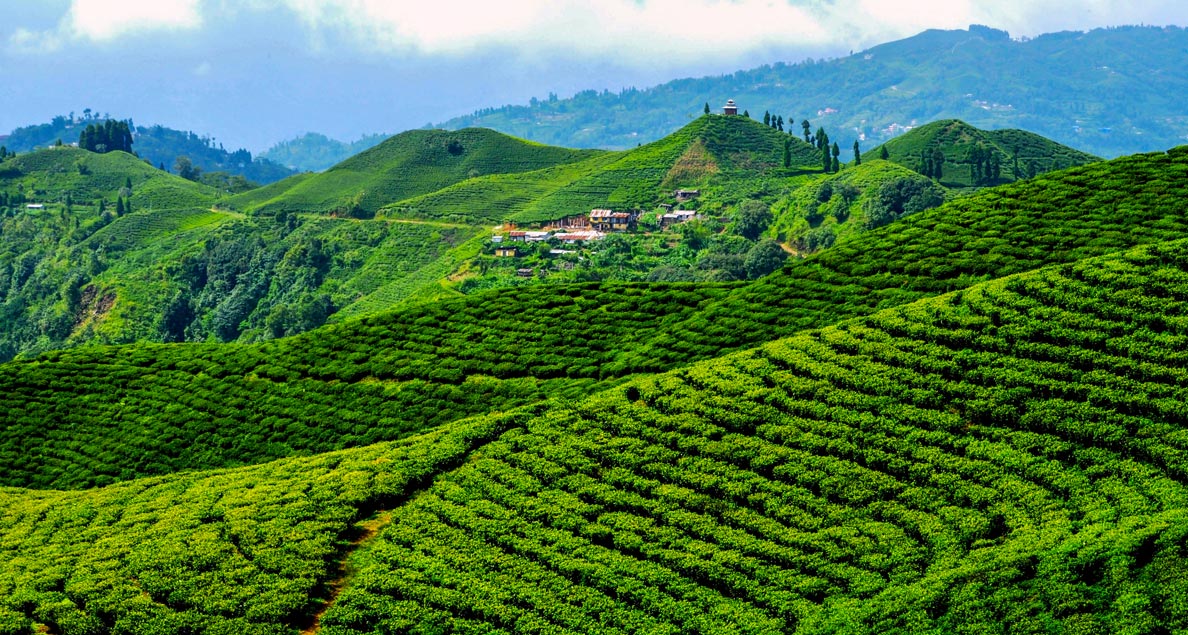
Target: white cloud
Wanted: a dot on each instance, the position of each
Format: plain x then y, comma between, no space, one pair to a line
651,31
102,20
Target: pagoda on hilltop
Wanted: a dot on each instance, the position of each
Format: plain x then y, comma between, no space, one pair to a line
730,108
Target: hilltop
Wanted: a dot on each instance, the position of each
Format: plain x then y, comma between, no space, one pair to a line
1107,91
313,152
965,156
157,144
725,158
409,164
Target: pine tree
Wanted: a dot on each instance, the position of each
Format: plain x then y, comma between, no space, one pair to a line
883,154
826,159
806,125
780,123
766,118
822,138
707,111
857,154
938,164
119,207
787,153
747,114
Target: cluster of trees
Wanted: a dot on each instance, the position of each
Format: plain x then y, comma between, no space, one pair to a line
985,167
901,197
108,136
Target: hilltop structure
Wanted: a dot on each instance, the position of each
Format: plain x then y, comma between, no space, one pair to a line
730,108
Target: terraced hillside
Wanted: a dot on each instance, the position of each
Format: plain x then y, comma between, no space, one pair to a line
409,164
1011,454
396,373
969,157
727,158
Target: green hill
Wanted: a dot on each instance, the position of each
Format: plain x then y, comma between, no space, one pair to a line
726,158
1008,455
396,373
969,157
47,176
1109,91
838,206
158,145
407,165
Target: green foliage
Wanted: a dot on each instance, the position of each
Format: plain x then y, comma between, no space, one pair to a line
1010,455
247,551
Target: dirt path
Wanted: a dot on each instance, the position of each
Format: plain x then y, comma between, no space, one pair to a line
368,529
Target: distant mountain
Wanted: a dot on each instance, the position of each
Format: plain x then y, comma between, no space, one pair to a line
314,152
157,144
1108,91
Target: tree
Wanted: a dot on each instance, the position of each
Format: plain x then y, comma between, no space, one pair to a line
707,110
747,114
826,159
766,118
857,154
806,125
938,164
753,218
119,210
787,153
883,154
780,123
186,168
764,258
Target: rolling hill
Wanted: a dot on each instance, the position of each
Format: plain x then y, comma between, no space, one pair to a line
967,154
728,158
406,165
1109,92
159,145
389,375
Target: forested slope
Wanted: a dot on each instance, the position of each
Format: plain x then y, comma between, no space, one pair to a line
1011,455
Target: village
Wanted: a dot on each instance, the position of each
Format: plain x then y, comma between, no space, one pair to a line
587,228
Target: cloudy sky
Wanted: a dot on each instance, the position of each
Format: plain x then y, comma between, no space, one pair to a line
254,72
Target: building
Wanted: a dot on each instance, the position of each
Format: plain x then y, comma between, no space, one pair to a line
497,238
525,273
517,235
684,195
730,108
35,206
572,238
607,220
536,237
506,252
679,216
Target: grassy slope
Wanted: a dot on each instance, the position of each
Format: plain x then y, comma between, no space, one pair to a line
48,175
410,164
398,372
728,158
1042,485
956,139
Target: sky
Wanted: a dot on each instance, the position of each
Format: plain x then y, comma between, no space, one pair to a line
251,73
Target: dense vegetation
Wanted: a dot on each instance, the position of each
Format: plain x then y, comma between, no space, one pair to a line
247,551
398,372
158,145
1004,458
203,406
1107,91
